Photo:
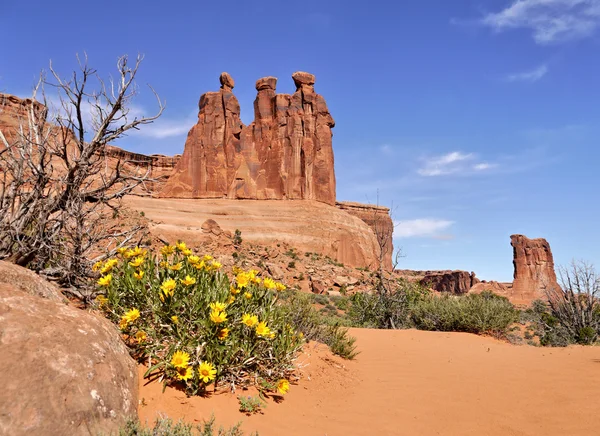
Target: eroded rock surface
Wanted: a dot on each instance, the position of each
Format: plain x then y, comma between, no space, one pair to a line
286,153
63,371
378,218
533,269
452,282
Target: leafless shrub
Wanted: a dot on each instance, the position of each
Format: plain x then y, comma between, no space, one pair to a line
574,306
58,196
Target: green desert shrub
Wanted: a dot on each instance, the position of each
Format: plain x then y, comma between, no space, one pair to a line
166,427
386,310
195,324
331,330
474,313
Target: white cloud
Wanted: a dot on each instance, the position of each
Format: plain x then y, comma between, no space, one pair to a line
550,21
161,129
444,164
529,76
421,227
483,166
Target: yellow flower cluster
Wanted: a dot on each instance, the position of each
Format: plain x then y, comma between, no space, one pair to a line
181,361
167,289
244,278
261,327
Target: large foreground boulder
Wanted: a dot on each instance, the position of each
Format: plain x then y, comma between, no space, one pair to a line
63,371
16,277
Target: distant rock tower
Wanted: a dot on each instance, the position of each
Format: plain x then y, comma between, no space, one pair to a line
285,153
534,269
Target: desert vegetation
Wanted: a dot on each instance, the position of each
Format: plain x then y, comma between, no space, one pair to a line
58,197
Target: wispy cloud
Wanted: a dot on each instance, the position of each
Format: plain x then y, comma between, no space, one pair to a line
421,227
550,21
529,76
455,162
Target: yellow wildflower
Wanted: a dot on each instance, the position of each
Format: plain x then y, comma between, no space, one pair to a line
200,265
231,299
188,281
223,333
176,267
175,319
262,329
101,300
121,250
139,274
279,286
193,259
272,335
207,372
252,273
141,336
187,252
234,290
215,265
185,373
249,320
167,250
109,265
181,246
137,262
301,335
167,288
283,386
218,317
242,280
248,295
236,270
269,283
105,281
218,306
180,359
135,252
207,257
123,323
97,266
131,315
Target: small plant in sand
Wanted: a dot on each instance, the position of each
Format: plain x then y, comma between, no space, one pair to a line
250,405
196,325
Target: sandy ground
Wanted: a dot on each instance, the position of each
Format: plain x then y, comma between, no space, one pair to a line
417,383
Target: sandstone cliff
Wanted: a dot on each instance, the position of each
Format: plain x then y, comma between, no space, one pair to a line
285,153
379,220
533,269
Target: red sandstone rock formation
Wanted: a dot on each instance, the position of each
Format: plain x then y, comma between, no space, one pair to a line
14,113
286,153
379,220
534,269
453,282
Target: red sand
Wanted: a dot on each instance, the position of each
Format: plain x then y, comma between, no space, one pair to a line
417,383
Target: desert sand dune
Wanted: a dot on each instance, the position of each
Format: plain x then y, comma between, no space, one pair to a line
417,383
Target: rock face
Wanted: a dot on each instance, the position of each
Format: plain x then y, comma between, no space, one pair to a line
308,226
14,112
453,282
15,277
286,153
379,220
534,269
62,370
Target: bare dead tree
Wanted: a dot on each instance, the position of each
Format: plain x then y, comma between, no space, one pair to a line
59,196
575,303
384,233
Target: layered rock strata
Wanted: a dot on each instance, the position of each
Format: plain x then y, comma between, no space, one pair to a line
285,153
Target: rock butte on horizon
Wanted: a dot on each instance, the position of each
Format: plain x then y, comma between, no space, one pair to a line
285,153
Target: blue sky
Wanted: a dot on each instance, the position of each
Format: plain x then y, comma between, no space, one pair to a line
475,119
